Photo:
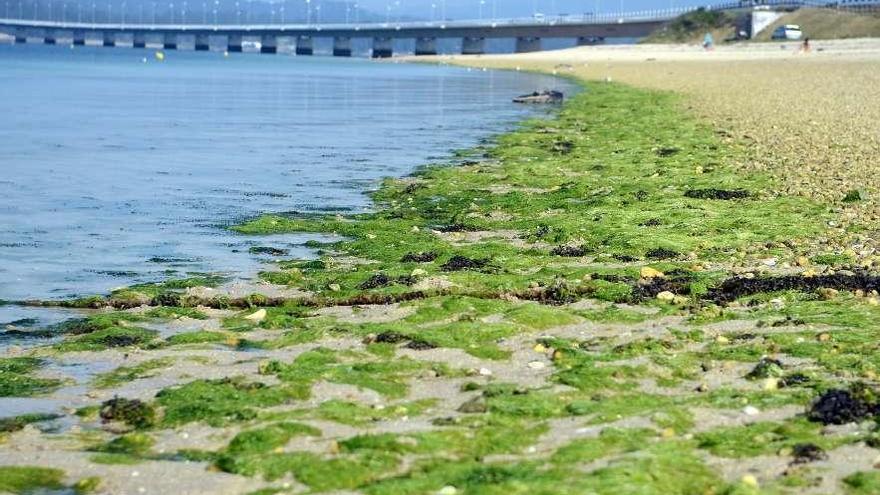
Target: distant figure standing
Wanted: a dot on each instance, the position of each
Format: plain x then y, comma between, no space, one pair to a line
708,42
805,47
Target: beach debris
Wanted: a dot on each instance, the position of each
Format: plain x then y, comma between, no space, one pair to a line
256,316
647,272
666,296
542,97
751,411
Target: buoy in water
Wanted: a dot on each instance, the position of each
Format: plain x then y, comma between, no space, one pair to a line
226,53
144,60
160,56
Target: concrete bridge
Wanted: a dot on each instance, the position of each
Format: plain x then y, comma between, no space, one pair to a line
528,33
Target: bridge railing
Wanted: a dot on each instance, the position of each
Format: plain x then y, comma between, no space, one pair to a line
587,18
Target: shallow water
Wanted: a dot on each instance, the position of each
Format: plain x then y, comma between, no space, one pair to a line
120,169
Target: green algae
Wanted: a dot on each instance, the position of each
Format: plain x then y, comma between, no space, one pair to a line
218,402
172,313
126,374
387,377
108,338
17,380
16,423
611,441
127,449
198,337
862,483
621,219
766,438
354,414
28,479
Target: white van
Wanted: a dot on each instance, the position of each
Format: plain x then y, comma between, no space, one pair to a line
788,32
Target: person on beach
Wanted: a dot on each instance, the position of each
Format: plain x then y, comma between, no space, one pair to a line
805,47
708,42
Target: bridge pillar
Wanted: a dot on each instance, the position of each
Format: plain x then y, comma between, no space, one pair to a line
169,41
383,47
342,46
233,43
473,46
202,43
79,38
109,39
49,37
138,40
20,35
305,45
268,44
426,46
528,44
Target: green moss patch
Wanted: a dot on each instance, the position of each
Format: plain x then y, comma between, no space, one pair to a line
17,380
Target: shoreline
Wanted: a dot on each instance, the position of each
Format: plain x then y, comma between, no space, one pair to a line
657,307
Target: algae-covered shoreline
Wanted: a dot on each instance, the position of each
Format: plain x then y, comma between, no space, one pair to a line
603,302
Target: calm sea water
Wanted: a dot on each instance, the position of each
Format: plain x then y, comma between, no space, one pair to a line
118,168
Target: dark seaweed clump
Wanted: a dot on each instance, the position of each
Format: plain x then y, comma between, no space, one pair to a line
569,251
661,254
420,345
458,263
271,251
381,280
376,281
712,193
734,288
421,257
456,227
171,299
625,258
805,453
677,284
133,412
838,407
391,338
562,146
665,152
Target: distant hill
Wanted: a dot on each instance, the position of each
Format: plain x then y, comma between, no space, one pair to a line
693,26
829,24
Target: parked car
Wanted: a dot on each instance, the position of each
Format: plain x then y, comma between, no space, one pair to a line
788,32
